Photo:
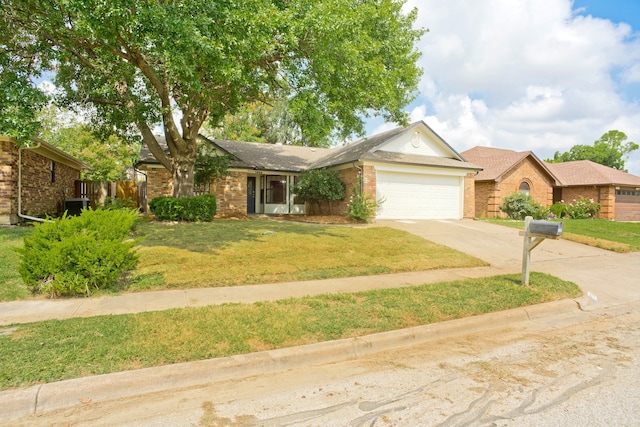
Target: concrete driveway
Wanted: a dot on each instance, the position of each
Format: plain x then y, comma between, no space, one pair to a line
614,278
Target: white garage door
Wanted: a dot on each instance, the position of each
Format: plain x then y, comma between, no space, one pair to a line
417,196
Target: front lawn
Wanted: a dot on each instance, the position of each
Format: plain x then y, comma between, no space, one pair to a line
61,349
232,252
240,252
610,235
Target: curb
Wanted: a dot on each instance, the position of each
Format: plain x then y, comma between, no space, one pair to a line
47,397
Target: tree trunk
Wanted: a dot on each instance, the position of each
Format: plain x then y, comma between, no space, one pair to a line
182,172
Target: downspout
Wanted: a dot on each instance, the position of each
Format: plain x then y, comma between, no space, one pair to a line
32,218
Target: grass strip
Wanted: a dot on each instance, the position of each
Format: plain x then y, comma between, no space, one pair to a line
610,235
61,349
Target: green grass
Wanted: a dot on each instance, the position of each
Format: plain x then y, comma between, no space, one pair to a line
231,252
61,349
11,286
610,235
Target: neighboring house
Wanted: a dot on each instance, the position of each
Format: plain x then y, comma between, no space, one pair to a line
35,181
506,172
414,170
617,192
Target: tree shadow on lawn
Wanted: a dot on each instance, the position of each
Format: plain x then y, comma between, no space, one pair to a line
221,233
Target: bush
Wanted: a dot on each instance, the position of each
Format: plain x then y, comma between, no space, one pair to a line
558,209
198,208
362,206
520,205
582,208
77,255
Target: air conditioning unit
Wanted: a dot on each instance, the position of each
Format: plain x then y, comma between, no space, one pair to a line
75,206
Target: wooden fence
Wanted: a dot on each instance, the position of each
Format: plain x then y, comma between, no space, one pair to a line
98,192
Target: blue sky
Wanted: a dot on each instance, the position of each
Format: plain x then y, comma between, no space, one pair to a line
539,75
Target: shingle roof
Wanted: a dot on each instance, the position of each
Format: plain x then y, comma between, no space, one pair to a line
497,161
586,172
289,158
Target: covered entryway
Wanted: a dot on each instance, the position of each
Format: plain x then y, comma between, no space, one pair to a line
419,196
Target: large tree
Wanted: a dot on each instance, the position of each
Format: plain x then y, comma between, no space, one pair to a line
138,64
610,150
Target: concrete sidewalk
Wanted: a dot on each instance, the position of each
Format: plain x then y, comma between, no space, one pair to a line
613,278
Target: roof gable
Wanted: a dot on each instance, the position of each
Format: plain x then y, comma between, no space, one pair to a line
496,162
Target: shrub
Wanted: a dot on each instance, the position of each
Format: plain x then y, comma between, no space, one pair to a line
520,205
198,208
320,185
582,208
558,209
362,206
76,255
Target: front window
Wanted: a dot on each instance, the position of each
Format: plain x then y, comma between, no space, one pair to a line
297,200
276,189
524,188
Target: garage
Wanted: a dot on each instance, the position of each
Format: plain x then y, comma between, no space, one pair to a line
419,196
627,204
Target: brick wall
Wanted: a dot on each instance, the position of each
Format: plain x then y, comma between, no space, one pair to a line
469,210
489,195
231,194
605,195
159,183
8,182
40,195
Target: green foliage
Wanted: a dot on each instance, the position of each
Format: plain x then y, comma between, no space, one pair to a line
210,166
520,205
582,208
109,156
197,208
362,206
320,185
132,64
118,203
19,99
78,255
559,209
610,150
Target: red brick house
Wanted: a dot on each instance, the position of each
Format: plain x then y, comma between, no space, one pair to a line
617,192
506,172
35,181
416,172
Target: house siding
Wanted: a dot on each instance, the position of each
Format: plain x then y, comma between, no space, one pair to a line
231,194
490,194
469,210
159,183
605,195
8,183
40,196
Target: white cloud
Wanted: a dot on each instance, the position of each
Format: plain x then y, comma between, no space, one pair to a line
525,75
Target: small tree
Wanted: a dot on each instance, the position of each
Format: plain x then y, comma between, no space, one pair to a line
320,185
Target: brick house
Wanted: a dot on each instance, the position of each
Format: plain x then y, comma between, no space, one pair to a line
506,172
412,168
617,192
35,181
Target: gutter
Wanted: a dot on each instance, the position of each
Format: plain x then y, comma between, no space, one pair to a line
32,218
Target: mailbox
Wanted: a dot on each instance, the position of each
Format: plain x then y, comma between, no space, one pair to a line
548,228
